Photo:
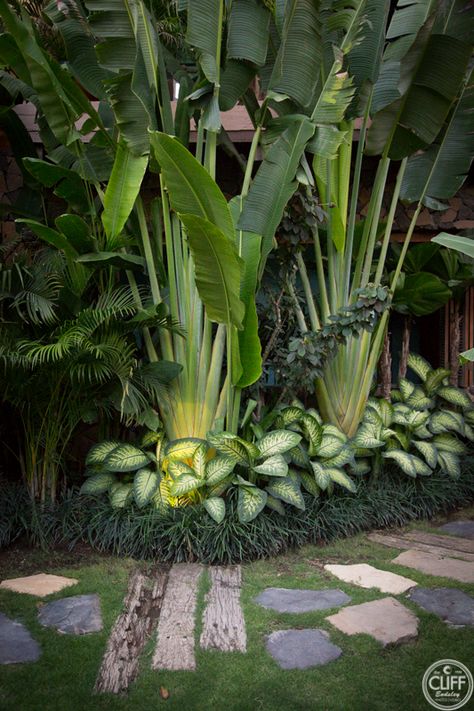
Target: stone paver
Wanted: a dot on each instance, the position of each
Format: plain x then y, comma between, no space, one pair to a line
366,576
301,649
441,566
465,529
40,585
294,601
387,620
453,606
79,614
16,643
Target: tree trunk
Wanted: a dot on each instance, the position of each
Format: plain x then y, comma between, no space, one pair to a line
385,369
454,342
402,370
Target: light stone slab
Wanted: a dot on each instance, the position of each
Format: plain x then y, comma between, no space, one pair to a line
443,567
366,576
298,601
465,529
387,620
40,585
453,606
79,614
16,643
301,649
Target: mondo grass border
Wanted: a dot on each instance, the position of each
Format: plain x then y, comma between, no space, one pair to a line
189,534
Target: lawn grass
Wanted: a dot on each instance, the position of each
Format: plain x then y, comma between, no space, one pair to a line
366,677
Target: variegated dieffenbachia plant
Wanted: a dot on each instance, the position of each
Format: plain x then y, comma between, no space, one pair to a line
193,471
424,428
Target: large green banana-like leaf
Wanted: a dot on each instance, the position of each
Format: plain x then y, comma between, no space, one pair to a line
235,79
365,57
247,35
117,53
37,73
460,244
297,67
431,74
441,170
79,44
421,294
406,22
203,30
122,190
67,183
250,349
274,184
218,270
191,188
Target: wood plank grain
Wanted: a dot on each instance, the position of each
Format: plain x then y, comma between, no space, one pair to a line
405,544
130,632
175,644
223,619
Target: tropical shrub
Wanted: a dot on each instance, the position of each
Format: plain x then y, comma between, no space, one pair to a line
415,110
423,429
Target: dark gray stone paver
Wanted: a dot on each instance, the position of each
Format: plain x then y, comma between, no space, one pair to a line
301,649
294,601
453,606
79,614
16,643
464,529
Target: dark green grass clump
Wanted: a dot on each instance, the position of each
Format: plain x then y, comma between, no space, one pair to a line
190,534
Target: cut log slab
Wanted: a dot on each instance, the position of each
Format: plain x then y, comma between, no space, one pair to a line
130,632
223,620
175,645
450,542
406,544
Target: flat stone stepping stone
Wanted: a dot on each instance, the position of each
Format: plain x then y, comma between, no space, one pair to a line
387,620
223,620
175,645
431,564
301,649
405,543
366,576
79,614
294,601
453,606
16,643
40,585
131,630
459,528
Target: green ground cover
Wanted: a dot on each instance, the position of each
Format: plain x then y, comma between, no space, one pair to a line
365,677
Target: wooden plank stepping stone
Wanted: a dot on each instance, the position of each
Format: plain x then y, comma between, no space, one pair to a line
460,528
223,619
366,576
453,606
175,645
130,632
407,544
79,614
16,643
40,585
301,649
387,620
297,600
432,539
431,564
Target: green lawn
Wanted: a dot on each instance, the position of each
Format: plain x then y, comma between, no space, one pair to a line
365,677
